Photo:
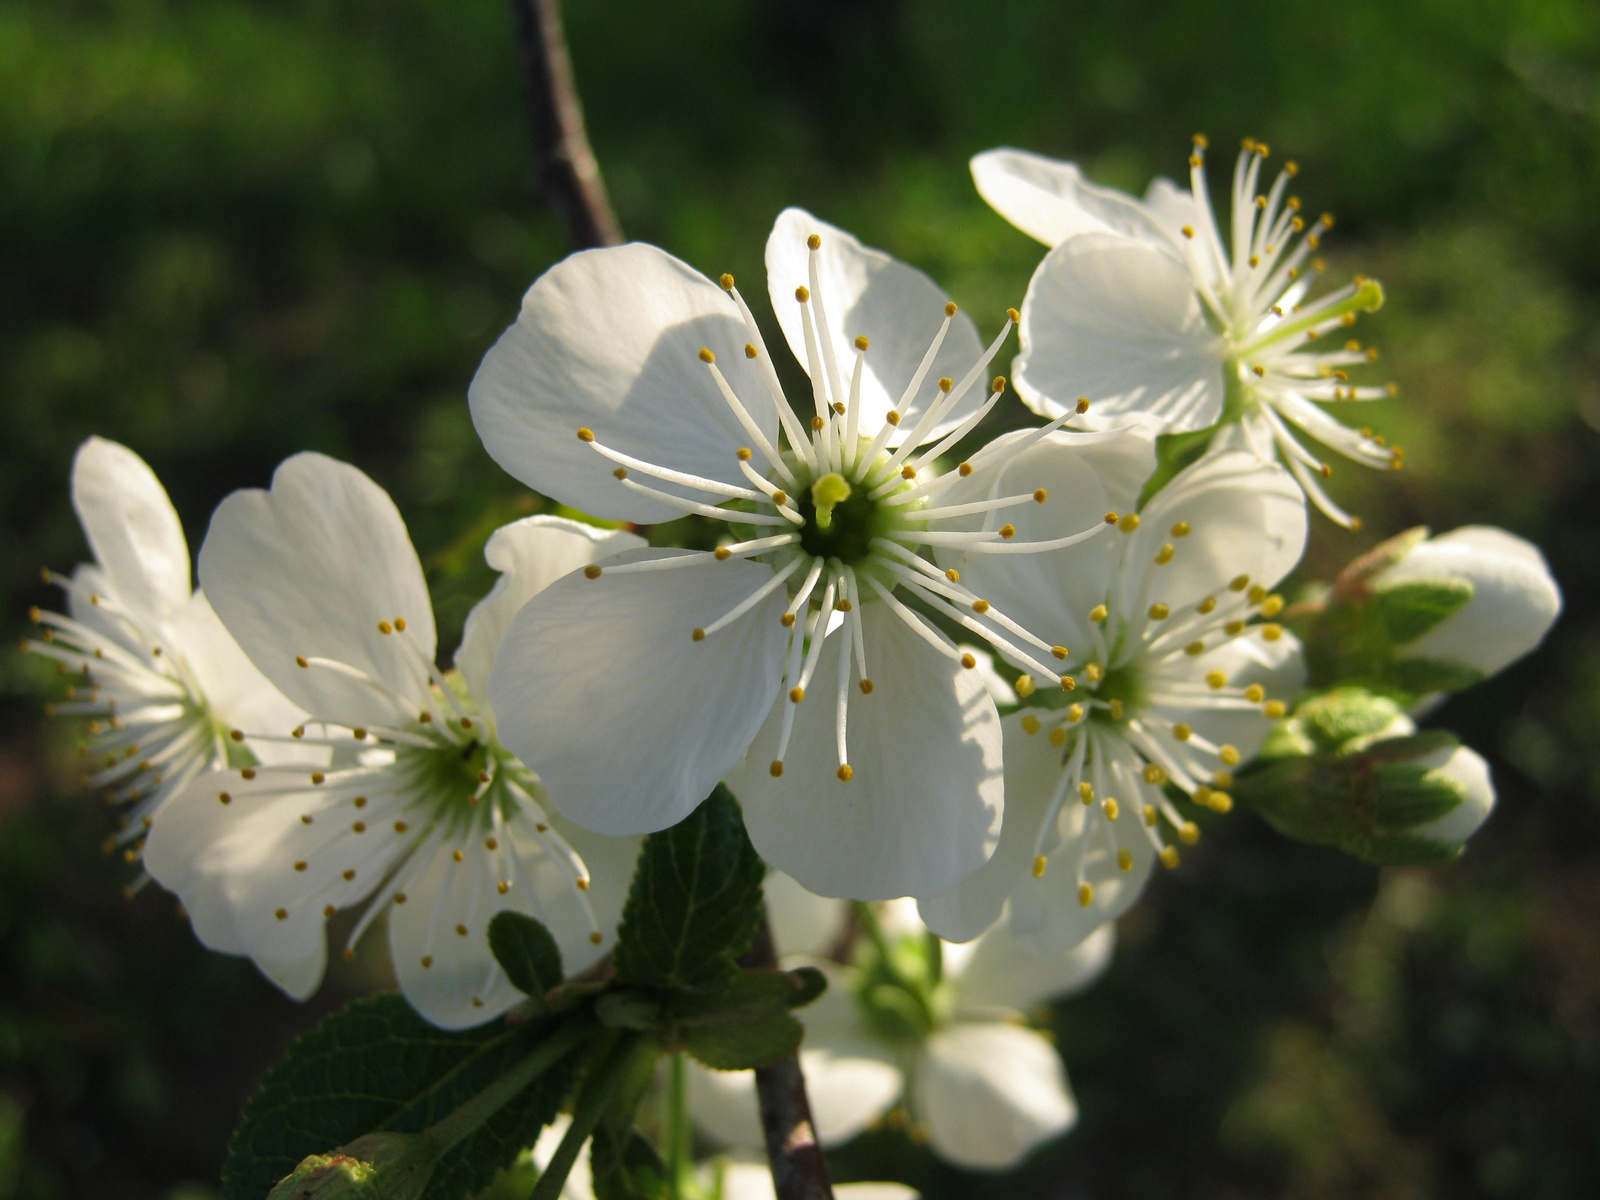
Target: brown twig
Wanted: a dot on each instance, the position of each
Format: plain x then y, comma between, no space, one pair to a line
568,176
799,1171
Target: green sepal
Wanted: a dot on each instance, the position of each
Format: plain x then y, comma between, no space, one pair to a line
1419,676
1408,610
1174,452
626,1008
376,1066
379,1166
695,901
526,953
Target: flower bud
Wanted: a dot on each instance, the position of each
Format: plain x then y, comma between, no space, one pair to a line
378,1166
1477,597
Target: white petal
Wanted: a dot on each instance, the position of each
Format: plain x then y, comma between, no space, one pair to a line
802,922
1117,321
1514,598
1084,475
897,307
923,809
1171,208
611,861
610,340
628,721
239,695
309,569
990,1093
132,529
1246,517
1050,200
1004,972
530,555
1032,769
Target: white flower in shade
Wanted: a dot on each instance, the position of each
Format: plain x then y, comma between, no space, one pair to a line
1513,603
634,388
162,681
1146,307
422,811
932,1031
1178,683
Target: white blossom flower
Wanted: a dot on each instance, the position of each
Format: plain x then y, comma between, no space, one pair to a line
1146,307
1514,598
422,811
162,681
931,1031
1177,685
634,388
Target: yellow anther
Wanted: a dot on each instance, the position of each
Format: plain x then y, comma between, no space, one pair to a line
1086,792
1124,860
1206,606
1112,808
1195,649
950,309
1255,693
1074,713
491,843
1271,632
802,293
1189,832
1182,732
814,242
722,554
968,661
1274,709
866,687
282,914
797,694
743,453
1148,812
1154,774
317,777
1164,555
502,887
1222,779
401,827
1058,736
1291,168
1111,518
817,423
706,356
842,604
1272,606
1068,683
1040,495
224,797
457,856
908,472
750,351
1116,710
300,661
592,571
1039,865
621,472
1128,522
837,408
359,802
1188,231
359,827
1083,405
845,773
727,282
1238,583
1060,652
1233,628
1229,755
780,497
980,606
1098,613
892,417
787,620
1221,802
1031,725
385,628
964,470
946,383
698,634
424,717
776,769
597,937
1094,672
1257,594
997,384
1169,857
1013,315
1159,612
1086,894
862,342
1025,686
400,624
1217,679
585,434
1007,532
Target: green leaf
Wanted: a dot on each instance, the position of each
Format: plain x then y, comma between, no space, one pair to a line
747,1024
378,1066
695,902
1409,610
526,953
626,1167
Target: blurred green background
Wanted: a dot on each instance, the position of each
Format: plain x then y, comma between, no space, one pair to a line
233,230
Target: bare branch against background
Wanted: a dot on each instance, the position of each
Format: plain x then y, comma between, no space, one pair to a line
799,1170
568,175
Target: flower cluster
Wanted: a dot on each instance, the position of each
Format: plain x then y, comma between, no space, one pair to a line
990,680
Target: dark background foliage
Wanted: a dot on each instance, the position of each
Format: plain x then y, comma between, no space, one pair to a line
234,229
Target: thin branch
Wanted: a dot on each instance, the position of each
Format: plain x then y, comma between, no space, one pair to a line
568,176
799,1171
